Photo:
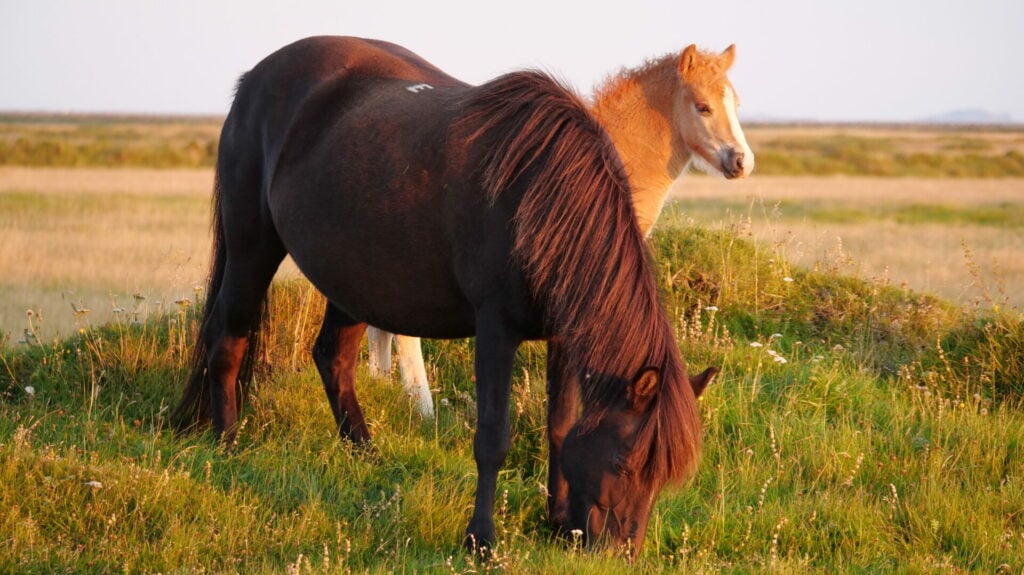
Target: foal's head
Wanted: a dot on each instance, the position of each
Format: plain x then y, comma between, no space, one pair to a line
705,111
607,462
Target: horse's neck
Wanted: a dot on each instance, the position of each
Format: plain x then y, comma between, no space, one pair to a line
636,111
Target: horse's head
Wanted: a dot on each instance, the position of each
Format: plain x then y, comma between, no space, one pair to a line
705,112
611,493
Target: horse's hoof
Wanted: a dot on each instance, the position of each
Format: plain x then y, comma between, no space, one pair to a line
479,540
559,518
366,450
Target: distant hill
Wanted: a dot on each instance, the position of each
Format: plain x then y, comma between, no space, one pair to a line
969,116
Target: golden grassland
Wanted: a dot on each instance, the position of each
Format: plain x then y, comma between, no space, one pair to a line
95,238
97,216
962,239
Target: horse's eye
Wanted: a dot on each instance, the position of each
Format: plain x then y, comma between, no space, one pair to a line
619,465
703,108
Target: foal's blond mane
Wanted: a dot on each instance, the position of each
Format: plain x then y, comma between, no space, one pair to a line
661,73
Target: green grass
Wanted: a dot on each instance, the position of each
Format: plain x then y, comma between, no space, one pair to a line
33,210
840,154
113,142
844,211
891,440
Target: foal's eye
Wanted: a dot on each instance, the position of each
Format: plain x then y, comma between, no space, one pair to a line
703,109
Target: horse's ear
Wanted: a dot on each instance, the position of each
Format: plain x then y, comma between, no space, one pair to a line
643,387
727,56
701,381
687,60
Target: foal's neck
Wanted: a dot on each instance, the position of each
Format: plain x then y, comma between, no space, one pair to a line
635,108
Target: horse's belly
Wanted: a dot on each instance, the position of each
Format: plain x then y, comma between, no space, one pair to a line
362,209
401,286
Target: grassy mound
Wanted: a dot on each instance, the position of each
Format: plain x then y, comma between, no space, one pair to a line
855,427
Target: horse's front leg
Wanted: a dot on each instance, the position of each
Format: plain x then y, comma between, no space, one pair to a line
495,352
563,409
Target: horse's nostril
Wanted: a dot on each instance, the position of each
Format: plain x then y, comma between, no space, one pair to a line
738,162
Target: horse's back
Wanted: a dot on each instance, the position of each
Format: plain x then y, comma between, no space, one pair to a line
358,188
273,94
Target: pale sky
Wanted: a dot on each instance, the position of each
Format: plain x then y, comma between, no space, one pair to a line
864,60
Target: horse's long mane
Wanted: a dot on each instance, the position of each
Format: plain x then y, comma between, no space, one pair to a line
584,255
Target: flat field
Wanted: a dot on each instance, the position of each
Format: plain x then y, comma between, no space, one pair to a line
93,238
99,239
857,425
962,239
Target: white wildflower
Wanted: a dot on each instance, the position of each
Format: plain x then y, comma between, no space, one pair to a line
30,390
94,484
756,344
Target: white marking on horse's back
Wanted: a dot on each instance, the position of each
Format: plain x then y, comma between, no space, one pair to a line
729,103
417,88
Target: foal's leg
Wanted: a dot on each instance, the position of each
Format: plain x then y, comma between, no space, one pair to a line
335,353
380,351
495,351
563,407
414,373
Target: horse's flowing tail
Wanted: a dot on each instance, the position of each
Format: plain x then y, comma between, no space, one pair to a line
194,407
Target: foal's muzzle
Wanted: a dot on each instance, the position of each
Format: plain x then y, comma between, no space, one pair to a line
732,163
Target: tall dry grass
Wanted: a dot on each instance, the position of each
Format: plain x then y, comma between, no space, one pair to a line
98,240
959,238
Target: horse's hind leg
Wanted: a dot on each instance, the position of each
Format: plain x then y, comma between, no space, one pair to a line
335,353
234,317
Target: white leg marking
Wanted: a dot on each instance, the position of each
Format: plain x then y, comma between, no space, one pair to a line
414,373
380,351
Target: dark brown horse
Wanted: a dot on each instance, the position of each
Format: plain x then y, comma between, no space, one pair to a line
428,207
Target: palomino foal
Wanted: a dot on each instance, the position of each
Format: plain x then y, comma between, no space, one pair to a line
663,116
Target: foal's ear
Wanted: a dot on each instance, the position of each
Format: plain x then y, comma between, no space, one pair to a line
700,381
727,56
643,387
687,60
